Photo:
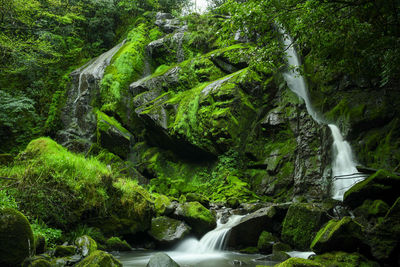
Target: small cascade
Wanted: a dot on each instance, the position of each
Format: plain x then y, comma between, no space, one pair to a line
344,171
213,241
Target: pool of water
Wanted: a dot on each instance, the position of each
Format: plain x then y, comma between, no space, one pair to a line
139,258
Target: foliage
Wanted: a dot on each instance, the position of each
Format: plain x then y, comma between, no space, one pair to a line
7,200
51,235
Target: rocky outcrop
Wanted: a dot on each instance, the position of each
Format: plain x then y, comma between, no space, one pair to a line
16,237
161,260
301,223
168,231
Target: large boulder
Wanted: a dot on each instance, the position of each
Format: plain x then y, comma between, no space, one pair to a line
167,231
381,185
197,216
99,259
161,260
342,235
85,245
246,233
116,244
384,237
301,223
16,237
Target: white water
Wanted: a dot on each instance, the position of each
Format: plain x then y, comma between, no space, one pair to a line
213,241
344,171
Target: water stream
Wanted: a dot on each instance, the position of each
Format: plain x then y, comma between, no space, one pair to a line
344,171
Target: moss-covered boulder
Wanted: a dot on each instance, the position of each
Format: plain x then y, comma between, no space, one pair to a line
64,251
161,260
343,259
246,233
381,185
16,237
384,237
301,223
37,261
116,244
85,245
197,216
265,242
99,259
372,208
342,235
167,231
298,262
163,205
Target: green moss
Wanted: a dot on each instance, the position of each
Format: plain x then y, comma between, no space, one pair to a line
40,263
86,245
167,229
297,262
249,250
116,244
99,259
197,211
265,242
339,259
16,237
40,244
161,203
372,208
301,223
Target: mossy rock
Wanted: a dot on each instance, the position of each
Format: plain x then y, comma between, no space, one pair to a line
40,244
381,185
265,242
167,231
372,208
301,223
279,246
116,244
343,259
249,250
298,262
384,237
202,199
86,245
39,263
64,251
343,235
163,205
99,259
279,256
16,237
197,216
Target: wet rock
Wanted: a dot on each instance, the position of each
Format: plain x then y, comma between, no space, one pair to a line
63,251
343,235
166,22
37,261
301,223
340,258
279,246
167,231
85,245
265,242
99,258
247,232
381,185
116,244
197,216
161,260
16,237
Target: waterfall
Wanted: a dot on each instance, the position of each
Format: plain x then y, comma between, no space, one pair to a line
344,171
213,241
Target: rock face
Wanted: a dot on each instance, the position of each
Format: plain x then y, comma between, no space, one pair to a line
161,260
343,235
16,237
247,232
167,231
197,216
99,259
301,223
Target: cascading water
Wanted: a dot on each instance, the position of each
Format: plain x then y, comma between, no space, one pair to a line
344,171
212,241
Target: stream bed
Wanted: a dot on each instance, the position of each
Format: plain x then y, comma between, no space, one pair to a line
139,258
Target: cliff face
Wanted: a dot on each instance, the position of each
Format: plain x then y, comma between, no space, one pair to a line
191,114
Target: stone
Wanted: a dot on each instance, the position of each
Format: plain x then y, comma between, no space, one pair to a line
381,185
63,251
168,231
99,259
37,261
200,219
384,237
116,244
166,22
279,246
344,235
265,242
246,233
161,260
85,245
298,262
16,237
301,223
343,259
